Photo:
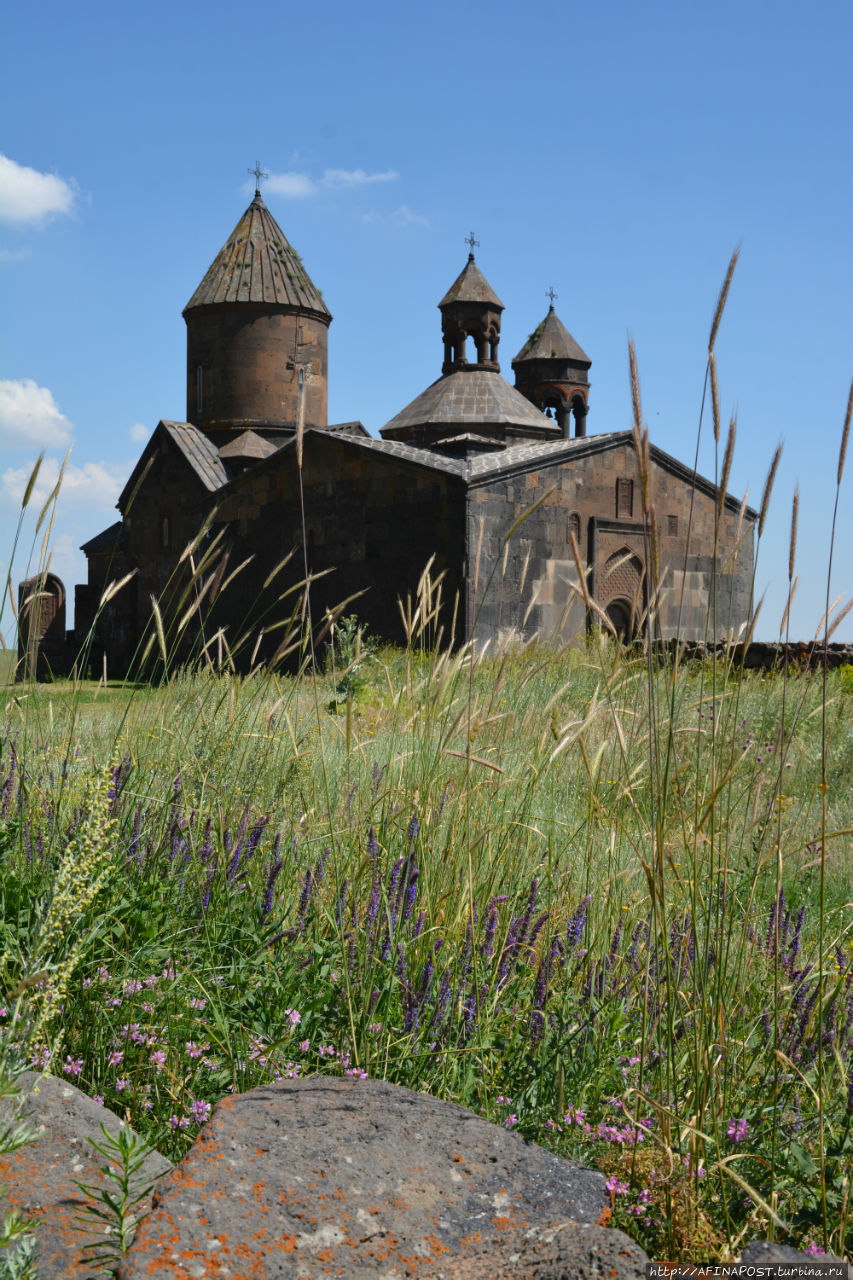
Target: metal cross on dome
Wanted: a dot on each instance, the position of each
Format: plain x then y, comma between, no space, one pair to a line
259,173
549,293
470,240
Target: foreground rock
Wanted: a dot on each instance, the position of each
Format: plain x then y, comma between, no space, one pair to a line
363,1179
40,1179
764,1253
566,1252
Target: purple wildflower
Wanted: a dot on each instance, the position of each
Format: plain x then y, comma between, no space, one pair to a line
199,1112
305,898
737,1131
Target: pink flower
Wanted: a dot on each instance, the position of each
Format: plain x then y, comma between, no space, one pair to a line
72,1066
293,1017
304,1046
510,1121
158,1058
616,1187
99,1098
177,1123
199,1112
122,1084
574,1115
115,1058
357,1072
737,1131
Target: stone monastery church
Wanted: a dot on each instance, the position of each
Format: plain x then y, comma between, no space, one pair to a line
447,480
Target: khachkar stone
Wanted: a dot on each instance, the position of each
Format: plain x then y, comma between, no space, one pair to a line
41,627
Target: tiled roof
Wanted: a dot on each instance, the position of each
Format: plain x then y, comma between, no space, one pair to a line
405,452
200,453
258,265
471,286
111,539
469,398
551,340
195,447
545,453
348,428
247,445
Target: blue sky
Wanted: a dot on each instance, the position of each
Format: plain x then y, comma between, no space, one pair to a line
618,152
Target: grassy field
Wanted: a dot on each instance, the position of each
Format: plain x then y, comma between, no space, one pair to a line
600,898
574,892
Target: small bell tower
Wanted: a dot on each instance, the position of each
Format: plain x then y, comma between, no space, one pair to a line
470,309
552,372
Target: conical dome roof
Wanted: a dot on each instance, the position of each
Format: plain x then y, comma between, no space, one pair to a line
551,340
257,264
474,400
471,286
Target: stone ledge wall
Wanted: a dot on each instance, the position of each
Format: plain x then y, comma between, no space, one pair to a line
765,655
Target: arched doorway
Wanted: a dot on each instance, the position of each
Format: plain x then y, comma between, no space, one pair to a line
621,614
622,593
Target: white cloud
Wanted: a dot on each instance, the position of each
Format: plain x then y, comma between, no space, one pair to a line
95,486
406,217
296,186
293,186
139,433
402,217
15,255
356,177
30,417
28,196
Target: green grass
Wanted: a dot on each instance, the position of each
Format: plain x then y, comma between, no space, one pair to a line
257,862
597,897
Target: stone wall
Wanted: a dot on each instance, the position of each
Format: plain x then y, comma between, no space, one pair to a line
527,587
374,520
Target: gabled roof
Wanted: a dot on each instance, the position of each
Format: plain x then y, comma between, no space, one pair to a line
199,452
111,539
551,340
257,264
485,468
470,399
354,428
471,286
527,457
248,444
